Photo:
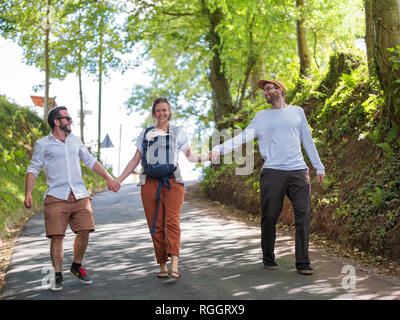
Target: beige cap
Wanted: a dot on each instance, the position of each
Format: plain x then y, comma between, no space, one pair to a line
262,83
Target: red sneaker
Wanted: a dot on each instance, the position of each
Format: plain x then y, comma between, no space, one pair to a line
82,275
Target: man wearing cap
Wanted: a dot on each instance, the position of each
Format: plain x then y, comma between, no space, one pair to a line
281,130
66,200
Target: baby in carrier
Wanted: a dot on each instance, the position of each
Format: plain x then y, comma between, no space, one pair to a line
150,135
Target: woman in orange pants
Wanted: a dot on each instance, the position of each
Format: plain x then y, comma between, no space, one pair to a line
163,215
167,235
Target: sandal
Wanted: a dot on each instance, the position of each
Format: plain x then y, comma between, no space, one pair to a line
174,274
163,275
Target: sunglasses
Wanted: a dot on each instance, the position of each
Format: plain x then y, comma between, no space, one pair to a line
269,89
68,118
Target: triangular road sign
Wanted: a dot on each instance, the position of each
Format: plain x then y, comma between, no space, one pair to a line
107,143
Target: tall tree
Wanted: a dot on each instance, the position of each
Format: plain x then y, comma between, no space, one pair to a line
222,100
207,51
304,54
33,27
100,77
107,45
184,43
80,64
387,54
332,25
73,45
46,28
369,35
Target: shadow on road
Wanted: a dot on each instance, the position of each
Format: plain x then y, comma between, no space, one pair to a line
220,259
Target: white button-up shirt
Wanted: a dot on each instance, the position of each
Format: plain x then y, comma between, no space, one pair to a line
62,166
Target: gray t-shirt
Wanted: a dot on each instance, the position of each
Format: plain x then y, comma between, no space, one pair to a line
280,133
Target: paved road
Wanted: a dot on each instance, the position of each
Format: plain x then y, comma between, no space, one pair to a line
220,260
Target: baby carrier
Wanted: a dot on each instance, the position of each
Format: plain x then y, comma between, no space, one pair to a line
158,162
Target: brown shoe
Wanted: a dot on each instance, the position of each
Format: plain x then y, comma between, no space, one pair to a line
304,268
271,266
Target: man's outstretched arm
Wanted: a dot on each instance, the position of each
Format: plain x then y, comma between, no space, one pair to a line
230,145
112,184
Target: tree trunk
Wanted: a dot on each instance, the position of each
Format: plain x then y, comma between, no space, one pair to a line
251,62
100,84
46,105
257,74
303,51
81,113
222,101
387,31
250,65
369,35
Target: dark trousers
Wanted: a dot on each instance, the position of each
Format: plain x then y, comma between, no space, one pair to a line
274,185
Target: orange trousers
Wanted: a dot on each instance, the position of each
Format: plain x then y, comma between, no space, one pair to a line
167,235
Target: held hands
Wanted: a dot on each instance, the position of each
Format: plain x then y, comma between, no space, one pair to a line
113,185
213,155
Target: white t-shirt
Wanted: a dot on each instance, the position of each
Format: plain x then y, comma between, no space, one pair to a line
280,134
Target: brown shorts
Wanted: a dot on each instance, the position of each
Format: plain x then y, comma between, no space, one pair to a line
59,213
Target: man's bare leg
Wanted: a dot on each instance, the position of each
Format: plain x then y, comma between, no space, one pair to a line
80,245
57,252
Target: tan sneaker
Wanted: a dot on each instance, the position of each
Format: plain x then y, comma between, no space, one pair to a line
304,268
271,266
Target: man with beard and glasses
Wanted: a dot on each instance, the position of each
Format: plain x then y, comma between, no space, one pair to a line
281,130
66,201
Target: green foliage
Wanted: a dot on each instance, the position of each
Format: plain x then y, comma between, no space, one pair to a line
258,39
368,209
377,197
375,214
333,24
74,27
29,23
19,129
351,108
